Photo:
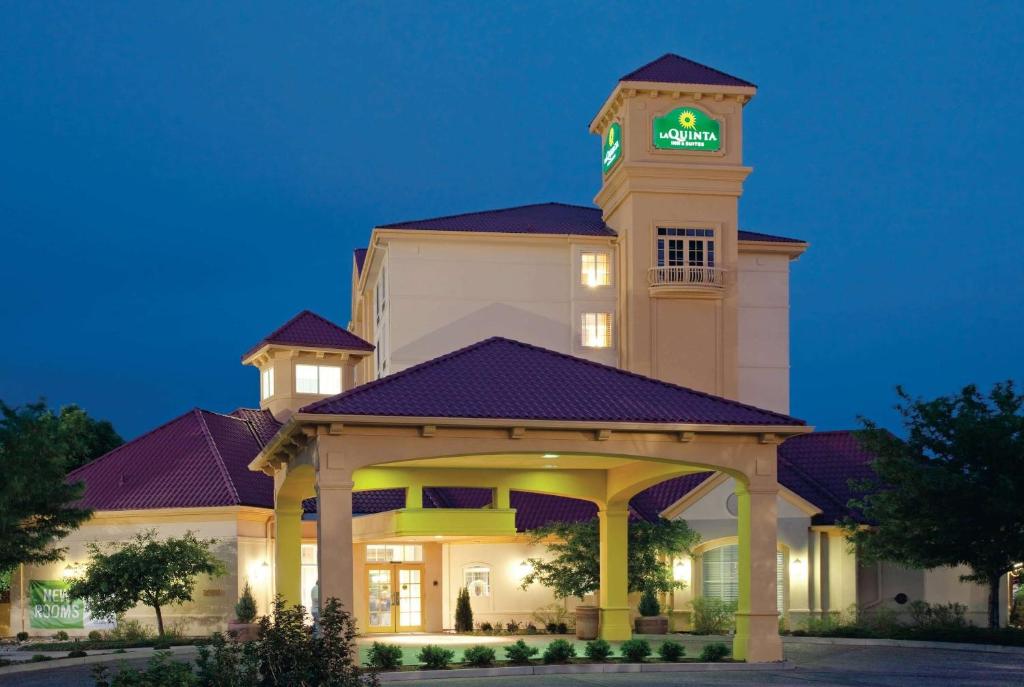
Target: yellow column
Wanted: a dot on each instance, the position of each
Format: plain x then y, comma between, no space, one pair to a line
757,620
334,544
614,595
288,552
414,496
500,498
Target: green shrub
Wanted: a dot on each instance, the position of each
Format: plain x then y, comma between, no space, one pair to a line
245,609
130,631
559,651
486,627
161,645
463,612
712,616
512,627
562,628
478,656
76,653
551,615
713,653
61,636
226,664
384,656
531,629
39,658
552,628
22,636
671,652
598,650
95,635
520,652
434,657
635,650
649,606
161,671
937,616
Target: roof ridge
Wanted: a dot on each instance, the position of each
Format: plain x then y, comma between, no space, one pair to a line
490,340
221,465
128,443
398,225
803,473
686,59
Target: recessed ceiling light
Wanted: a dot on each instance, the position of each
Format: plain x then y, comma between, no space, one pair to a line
550,455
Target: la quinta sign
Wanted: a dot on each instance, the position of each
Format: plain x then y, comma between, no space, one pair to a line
686,128
611,150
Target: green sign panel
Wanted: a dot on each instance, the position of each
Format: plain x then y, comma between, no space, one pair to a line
611,151
686,128
51,607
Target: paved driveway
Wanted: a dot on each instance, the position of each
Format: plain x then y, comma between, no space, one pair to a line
817,665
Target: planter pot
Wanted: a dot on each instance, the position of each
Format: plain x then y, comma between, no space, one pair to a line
586,622
653,625
243,632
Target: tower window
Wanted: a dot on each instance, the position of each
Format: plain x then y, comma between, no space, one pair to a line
594,269
266,383
686,247
596,331
317,379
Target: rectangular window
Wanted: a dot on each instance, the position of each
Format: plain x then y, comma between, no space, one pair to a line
477,579
594,269
394,553
686,247
720,575
318,379
267,385
596,331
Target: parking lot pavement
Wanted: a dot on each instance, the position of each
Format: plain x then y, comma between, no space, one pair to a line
817,665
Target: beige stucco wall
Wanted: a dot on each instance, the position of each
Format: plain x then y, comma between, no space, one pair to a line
447,292
763,284
214,598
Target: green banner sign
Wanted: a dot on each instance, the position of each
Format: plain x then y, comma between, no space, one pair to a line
51,608
686,128
611,151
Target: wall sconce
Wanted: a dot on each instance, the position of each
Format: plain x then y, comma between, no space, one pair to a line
520,571
71,570
260,573
797,569
681,571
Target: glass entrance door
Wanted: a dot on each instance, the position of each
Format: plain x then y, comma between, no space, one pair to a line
395,601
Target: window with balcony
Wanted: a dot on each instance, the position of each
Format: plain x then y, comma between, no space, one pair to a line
594,269
596,330
267,383
318,379
686,256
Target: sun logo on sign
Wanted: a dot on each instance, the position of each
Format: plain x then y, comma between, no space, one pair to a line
687,120
611,135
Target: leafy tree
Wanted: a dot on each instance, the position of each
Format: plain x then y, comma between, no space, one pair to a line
144,570
84,438
950,493
574,568
463,612
36,504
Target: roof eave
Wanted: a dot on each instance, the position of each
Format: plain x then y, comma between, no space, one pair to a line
625,89
793,249
249,358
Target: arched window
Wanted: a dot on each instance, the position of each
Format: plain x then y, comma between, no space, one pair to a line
477,579
720,574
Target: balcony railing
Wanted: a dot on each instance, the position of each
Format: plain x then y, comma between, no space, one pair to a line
698,276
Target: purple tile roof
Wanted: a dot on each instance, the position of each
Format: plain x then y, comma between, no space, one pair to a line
199,459
501,378
541,218
758,236
359,255
819,466
671,68
309,329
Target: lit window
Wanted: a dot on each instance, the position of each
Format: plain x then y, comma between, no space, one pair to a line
720,575
597,330
394,553
267,386
594,269
477,579
317,379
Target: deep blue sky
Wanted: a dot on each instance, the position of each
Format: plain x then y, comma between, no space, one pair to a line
163,163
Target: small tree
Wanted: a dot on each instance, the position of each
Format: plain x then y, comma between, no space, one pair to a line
144,570
649,606
463,612
574,568
245,609
950,493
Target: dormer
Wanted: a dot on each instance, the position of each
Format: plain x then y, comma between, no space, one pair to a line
306,359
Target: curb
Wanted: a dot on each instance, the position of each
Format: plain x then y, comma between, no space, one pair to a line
907,644
101,656
581,669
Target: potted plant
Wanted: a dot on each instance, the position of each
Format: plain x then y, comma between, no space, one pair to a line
650,622
244,629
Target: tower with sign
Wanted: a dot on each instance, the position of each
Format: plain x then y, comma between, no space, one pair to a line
672,167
